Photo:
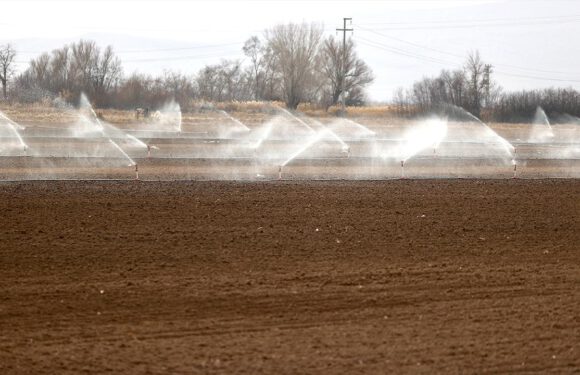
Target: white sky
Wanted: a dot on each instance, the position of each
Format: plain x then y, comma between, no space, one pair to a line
531,43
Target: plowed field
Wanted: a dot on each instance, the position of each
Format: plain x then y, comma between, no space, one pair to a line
407,276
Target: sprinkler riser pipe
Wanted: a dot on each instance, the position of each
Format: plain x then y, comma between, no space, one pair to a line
280,173
515,175
136,172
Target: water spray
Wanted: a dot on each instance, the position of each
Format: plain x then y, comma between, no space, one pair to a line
345,147
366,130
306,146
15,127
297,119
541,130
235,120
508,147
84,102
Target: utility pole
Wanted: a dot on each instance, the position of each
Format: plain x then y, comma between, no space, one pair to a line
486,83
343,68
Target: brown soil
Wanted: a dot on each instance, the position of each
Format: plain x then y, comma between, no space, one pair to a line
410,276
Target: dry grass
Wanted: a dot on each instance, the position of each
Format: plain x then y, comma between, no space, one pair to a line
252,113
37,114
252,106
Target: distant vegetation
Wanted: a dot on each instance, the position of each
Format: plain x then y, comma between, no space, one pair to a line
291,63
474,89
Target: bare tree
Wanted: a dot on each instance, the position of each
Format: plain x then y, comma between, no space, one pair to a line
254,50
106,74
85,56
223,82
343,69
478,77
40,69
271,81
61,71
80,67
7,55
179,86
295,49
455,86
206,82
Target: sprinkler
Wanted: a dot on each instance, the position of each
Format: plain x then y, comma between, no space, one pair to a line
434,152
279,172
136,172
402,169
148,151
346,150
515,175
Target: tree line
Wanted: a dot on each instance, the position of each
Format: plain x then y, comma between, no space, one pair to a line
474,88
293,63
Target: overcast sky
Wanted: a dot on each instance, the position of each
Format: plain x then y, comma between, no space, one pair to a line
532,44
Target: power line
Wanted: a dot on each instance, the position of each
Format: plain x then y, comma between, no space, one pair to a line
474,21
456,55
181,49
159,49
161,59
537,77
406,53
195,57
469,25
447,63
409,43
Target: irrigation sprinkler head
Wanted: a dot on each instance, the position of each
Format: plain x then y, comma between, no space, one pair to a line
515,163
136,172
346,150
148,151
402,169
280,172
